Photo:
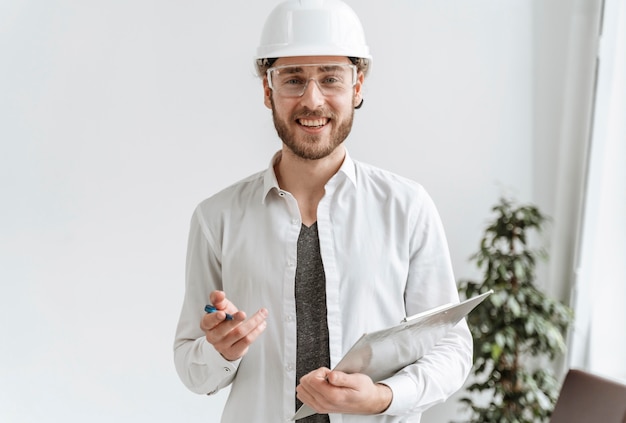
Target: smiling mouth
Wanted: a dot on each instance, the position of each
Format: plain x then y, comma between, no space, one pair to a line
313,123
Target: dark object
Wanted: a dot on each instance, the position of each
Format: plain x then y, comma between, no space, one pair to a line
586,398
211,309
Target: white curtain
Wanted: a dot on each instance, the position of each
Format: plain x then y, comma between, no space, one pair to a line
598,337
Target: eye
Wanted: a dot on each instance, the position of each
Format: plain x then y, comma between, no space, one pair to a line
331,80
292,81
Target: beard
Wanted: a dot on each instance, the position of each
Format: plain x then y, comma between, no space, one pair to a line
311,147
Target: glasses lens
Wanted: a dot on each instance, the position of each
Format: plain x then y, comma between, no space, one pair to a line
331,78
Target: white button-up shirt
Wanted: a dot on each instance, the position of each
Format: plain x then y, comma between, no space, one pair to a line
385,257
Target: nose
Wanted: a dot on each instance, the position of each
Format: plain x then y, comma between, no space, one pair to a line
312,96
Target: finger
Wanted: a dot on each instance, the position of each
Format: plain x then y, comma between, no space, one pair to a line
217,326
313,384
353,381
315,377
229,332
307,397
244,340
216,296
316,392
337,378
212,321
306,393
237,342
320,373
219,300
240,329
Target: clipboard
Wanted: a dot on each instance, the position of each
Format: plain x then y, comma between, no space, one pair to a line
382,353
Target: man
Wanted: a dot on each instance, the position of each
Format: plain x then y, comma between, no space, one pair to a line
319,248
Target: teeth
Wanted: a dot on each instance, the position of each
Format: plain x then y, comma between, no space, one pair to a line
316,122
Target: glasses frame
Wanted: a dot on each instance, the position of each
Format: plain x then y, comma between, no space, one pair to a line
269,72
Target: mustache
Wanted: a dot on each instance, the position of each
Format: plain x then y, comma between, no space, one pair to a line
305,112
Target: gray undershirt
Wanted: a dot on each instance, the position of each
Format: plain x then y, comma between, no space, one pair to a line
312,326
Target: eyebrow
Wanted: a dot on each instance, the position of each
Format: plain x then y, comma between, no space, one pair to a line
299,69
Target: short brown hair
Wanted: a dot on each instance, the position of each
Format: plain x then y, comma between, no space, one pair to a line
262,65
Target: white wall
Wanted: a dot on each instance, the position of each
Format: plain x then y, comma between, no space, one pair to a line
118,117
600,289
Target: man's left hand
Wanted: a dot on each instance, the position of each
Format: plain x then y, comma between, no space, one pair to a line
328,391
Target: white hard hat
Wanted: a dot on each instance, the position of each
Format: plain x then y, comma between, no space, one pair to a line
313,28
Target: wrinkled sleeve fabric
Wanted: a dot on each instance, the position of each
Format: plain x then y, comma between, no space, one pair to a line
443,371
200,367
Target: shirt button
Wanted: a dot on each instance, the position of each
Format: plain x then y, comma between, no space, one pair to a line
290,367
281,193
226,369
295,221
289,318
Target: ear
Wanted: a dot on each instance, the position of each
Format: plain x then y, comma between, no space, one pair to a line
267,94
358,90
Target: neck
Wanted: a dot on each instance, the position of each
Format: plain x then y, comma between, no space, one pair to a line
305,179
296,174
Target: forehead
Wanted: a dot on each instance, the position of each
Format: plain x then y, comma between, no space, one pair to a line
304,60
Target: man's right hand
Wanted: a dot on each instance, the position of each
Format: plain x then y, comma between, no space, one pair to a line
231,338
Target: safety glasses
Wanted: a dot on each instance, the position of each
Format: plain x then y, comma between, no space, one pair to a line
331,78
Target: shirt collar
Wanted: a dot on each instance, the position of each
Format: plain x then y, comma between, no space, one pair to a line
269,178
348,168
271,182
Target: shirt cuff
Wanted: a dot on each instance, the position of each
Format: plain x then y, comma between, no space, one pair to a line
404,394
225,370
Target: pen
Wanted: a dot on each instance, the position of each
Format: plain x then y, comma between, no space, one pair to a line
210,309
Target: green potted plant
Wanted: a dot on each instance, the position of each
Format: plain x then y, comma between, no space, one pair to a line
518,330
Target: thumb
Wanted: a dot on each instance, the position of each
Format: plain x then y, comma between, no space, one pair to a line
218,298
337,378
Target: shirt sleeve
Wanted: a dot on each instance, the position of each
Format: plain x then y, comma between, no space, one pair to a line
200,367
442,371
